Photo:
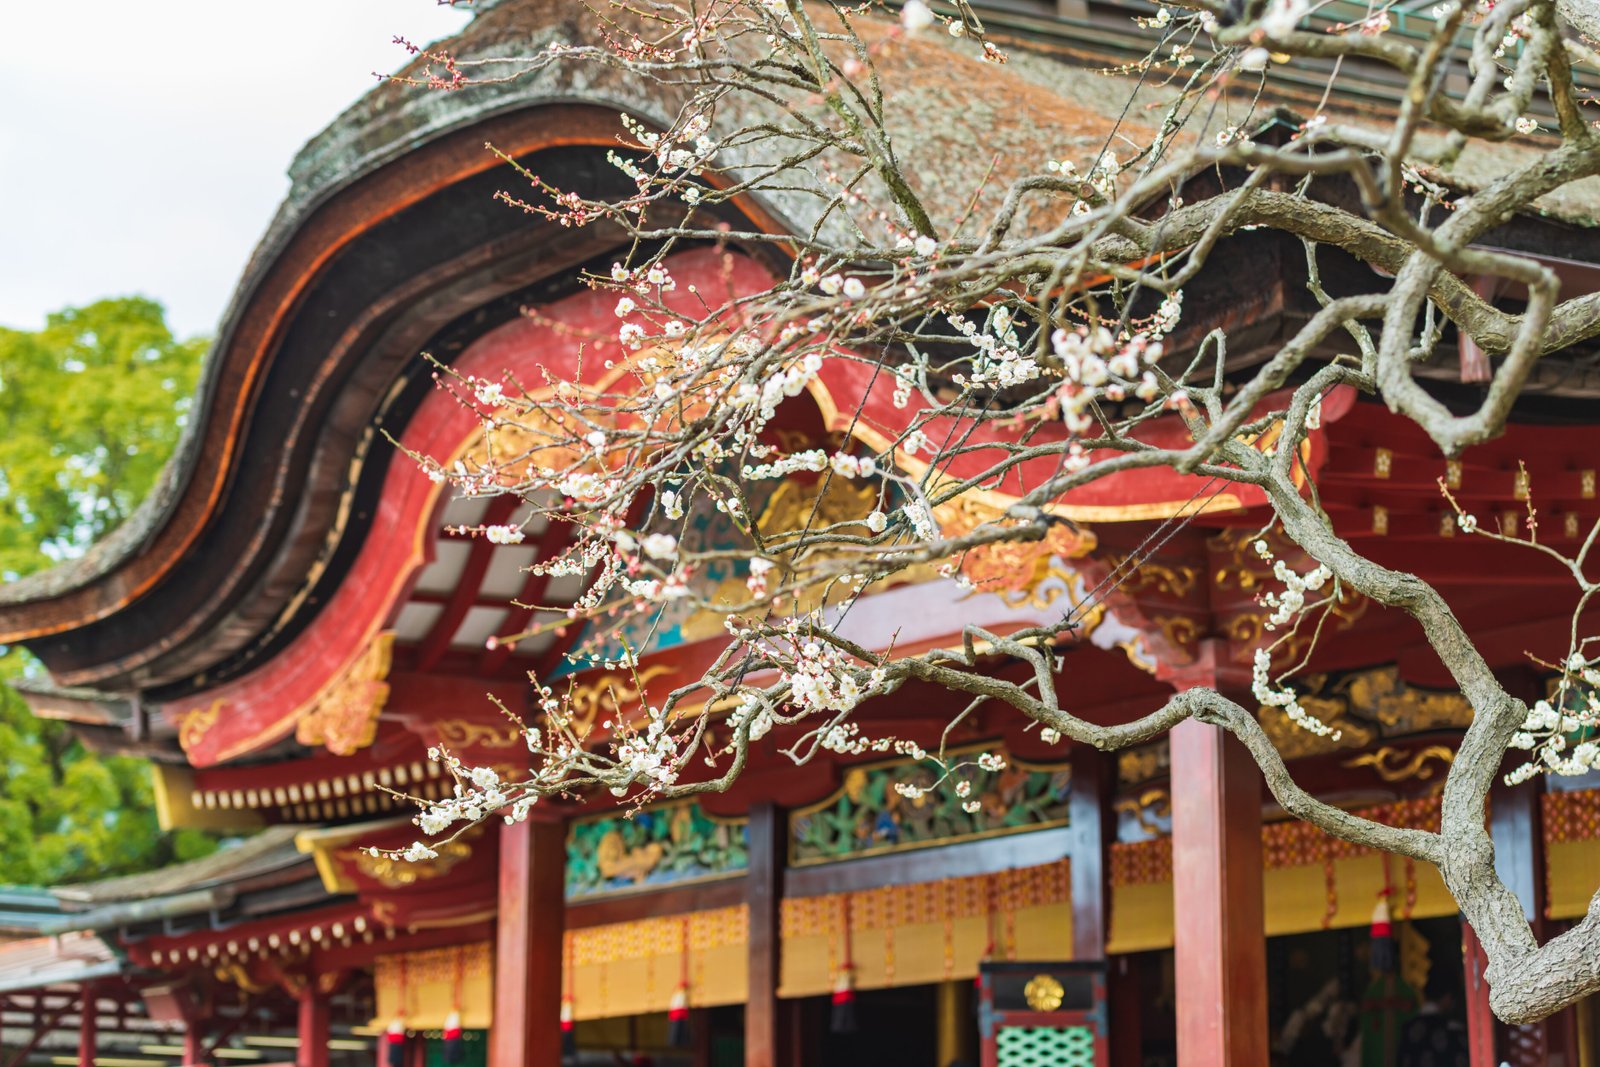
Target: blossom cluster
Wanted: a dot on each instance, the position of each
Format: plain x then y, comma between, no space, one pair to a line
1563,732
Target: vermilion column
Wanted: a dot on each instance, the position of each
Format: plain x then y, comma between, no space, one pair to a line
313,1029
765,1043
1480,1020
194,1043
526,1031
1092,778
1219,938
88,1017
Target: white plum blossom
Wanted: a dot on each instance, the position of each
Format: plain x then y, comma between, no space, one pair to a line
916,15
503,535
660,545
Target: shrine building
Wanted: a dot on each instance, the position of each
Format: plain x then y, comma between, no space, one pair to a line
287,626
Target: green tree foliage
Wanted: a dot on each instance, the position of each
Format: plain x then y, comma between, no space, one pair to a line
90,408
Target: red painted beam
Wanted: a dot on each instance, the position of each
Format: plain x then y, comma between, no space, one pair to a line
466,592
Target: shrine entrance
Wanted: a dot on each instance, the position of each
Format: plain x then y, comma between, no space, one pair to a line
1368,997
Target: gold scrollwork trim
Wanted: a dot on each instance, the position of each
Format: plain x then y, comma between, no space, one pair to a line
463,733
610,692
1397,765
1148,807
396,873
194,725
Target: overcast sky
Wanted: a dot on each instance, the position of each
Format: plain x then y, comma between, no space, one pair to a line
144,143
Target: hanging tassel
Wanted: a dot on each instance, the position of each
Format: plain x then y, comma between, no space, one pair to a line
678,1017
394,1042
455,1050
842,1017
678,1007
569,1035
1383,957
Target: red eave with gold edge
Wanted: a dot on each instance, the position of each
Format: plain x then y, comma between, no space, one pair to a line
281,950
573,339
253,339
455,886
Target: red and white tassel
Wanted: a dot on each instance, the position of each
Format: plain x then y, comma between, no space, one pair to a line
1383,957
678,1017
569,1037
394,1042
454,1051
842,1017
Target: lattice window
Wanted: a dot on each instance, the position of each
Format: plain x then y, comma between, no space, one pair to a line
1045,1046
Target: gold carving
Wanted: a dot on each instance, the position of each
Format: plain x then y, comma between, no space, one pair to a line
196,723
1174,581
235,974
1364,707
463,733
1141,764
1292,742
395,873
1179,630
1395,765
343,717
615,859
1024,566
531,435
1147,808
1381,694
610,693
1053,579
1044,992
795,507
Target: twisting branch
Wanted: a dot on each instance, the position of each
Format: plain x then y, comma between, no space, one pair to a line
1026,354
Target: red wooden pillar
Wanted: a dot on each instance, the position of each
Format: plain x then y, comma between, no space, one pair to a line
194,1043
313,1028
1219,942
765,1042
88,1017
1480,1020
526,1031
1092,779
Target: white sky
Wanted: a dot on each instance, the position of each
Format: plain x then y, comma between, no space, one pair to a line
144,143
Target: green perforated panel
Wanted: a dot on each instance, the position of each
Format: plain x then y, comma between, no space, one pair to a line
1045,1046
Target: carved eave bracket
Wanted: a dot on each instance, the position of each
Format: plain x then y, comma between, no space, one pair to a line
343,717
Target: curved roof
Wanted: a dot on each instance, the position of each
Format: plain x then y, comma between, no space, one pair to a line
390,243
